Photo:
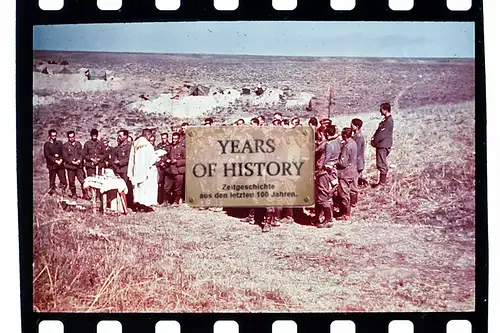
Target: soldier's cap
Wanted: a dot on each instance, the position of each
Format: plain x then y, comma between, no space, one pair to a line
325,120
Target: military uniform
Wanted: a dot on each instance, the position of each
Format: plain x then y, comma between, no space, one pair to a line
161,171
122,154
360,165
53,151
73,152
174,179
106,159
92,150
347,172
382,142
325,185
183,185
319,155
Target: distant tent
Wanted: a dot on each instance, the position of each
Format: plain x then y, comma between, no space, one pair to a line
245,91
52,62
199,90
45,70
65,70
95,75
64,63
259,91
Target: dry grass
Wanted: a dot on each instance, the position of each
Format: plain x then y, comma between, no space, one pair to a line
409,247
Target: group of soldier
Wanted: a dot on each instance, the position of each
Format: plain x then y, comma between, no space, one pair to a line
70,160
339,158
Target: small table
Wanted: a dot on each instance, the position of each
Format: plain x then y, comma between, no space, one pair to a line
111,186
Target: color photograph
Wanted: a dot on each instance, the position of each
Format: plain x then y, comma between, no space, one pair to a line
389,107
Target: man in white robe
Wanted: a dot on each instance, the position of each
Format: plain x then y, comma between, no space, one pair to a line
143,173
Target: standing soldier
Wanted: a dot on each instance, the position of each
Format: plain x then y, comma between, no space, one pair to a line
176,168
325,184
53,153
120,162
382,142
163,145
92,153
73,163
182,133
347,172
358,137
107,154
332,146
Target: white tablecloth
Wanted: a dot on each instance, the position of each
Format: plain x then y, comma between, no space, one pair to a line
105,183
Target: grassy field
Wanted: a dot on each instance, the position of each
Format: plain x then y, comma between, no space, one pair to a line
408,247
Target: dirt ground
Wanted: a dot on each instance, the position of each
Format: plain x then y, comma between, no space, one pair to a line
408,247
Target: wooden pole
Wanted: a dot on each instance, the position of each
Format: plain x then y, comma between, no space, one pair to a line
330,103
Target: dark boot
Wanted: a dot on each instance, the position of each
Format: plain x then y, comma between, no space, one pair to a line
383,179
250,218
328,214
362,182
354,199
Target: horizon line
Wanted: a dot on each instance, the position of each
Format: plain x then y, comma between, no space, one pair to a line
255,55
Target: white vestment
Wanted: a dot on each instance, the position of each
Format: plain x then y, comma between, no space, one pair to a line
143,172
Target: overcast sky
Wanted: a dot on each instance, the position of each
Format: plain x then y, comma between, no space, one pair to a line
363,39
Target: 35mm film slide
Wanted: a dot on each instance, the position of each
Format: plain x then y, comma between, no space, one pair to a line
252,166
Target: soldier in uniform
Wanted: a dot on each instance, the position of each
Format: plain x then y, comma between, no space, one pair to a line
182,133
323,125
382,142
163,145
332,146
73,163
176,168
347,172
92,153
53,153
295,122
325,185
319,152
107,154
357,136
120,162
